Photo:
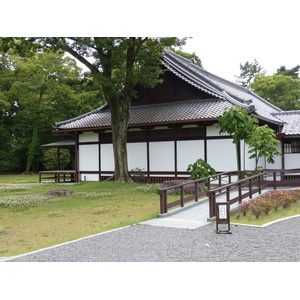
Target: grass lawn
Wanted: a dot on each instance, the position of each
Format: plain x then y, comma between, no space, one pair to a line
93,208
273,215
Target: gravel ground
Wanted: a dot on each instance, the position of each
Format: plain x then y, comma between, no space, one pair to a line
140,243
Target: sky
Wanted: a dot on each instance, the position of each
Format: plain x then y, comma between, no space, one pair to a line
224,34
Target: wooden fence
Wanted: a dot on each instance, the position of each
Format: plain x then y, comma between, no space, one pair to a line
227,183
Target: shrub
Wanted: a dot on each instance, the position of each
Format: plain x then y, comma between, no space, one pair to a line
268,201
244,207
255,209
50,161
200,169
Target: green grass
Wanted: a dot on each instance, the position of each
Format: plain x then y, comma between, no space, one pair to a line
93,208
273,215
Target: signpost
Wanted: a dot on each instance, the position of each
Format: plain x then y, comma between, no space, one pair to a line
223,216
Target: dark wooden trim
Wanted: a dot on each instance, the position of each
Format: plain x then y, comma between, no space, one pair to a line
77,155
88,143
99,155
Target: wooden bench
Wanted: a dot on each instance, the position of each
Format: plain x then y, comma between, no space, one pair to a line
59,175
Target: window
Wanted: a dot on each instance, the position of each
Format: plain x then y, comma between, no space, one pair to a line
292,146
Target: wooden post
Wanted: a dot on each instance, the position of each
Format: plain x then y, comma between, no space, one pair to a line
240,192
212,201
181,196
250,189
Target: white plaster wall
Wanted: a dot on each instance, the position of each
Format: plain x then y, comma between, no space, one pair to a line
107,157
89,177
292,161
161,156
88,157
88,136
89,161
188,152
137,156
221,155
213,131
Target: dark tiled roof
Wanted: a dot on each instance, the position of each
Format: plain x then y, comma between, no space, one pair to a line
152,114
223,94
291,120
217,86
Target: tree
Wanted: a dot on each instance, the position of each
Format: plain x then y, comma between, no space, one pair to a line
294,72
192,56
248,72
263,144
236,122
118,65
39,93
282,91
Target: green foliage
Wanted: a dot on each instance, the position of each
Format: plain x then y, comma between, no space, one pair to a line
248,72
236,122
35,91
282,91
263,143
268,201
191,56
293,72
50,160
200,169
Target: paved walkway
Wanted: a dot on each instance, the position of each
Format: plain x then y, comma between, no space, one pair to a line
193,215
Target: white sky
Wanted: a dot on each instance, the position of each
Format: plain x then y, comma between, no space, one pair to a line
224,33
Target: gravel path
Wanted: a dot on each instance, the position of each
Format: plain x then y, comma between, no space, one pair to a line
141,243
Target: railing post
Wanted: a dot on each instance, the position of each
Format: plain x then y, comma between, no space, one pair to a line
227,194
163,202
212,200
208,184
250,189
181,196
196,191
274,180
240,192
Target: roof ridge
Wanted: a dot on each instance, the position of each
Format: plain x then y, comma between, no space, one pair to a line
286,112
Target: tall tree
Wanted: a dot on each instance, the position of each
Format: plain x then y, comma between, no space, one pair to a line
263,143
282,91
248,72
293,72
118,65
236,122
39,93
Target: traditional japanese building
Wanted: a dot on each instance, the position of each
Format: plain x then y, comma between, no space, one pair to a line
174,124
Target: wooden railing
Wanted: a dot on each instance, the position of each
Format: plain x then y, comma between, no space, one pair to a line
227,183
209,182
244,188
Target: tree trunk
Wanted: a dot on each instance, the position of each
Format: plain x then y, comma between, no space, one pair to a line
119,120
32,149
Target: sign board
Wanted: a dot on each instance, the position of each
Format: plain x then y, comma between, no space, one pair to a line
223,216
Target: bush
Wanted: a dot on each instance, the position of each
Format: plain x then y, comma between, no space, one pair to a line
200,169
244,207
268,201
50,160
